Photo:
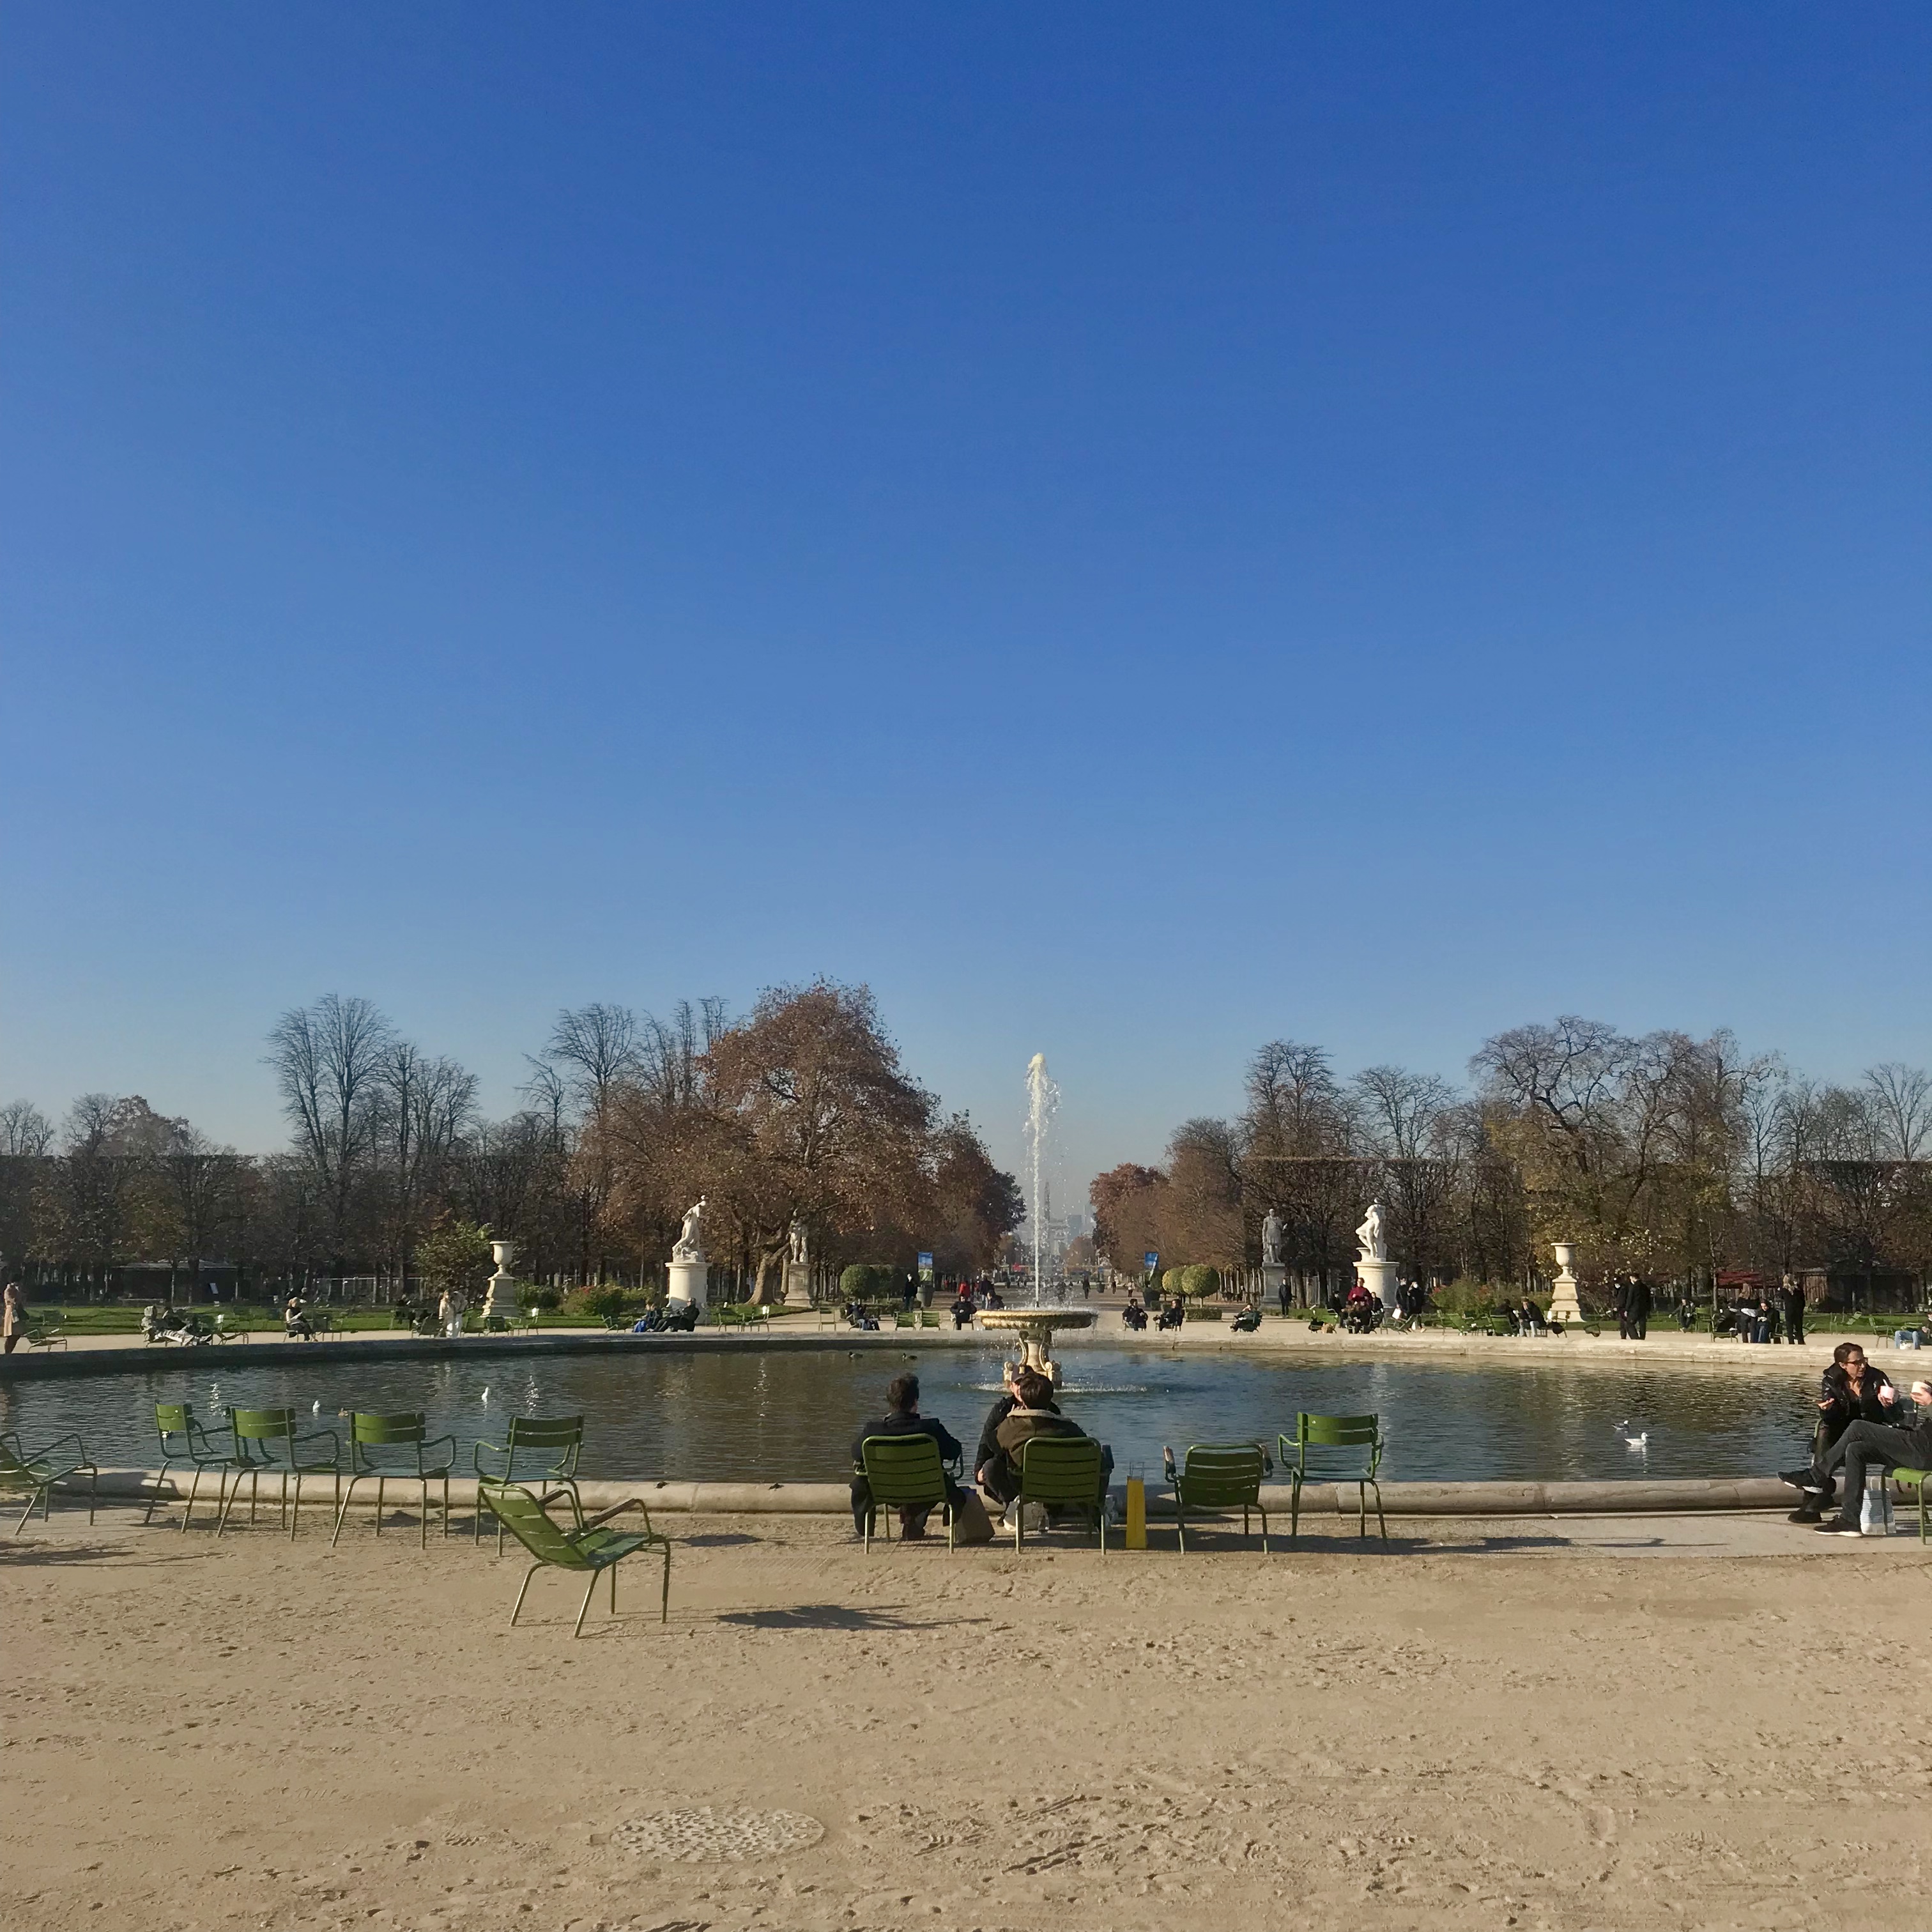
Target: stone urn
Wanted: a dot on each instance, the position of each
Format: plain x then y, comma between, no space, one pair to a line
501,1298
1563,1306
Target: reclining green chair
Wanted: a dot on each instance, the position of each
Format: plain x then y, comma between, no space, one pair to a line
1217,1476
184,1441
35,1476
1916,1479
1059,1472
261,1436
904,1472
590,1547
408,1437
532,1438
1337,1449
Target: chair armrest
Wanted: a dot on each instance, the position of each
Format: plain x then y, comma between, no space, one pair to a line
476,1460
60,1442
328,1436
436,1442
617,1509
1167,1462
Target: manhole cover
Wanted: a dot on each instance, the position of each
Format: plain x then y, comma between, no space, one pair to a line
705,1834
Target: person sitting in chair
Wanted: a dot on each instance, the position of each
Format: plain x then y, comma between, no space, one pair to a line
902,1418
1850,1390
1134,1316
295,1323
1027,1410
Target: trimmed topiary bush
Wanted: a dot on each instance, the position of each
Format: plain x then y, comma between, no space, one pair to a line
866,1281
606,1303
1198,1281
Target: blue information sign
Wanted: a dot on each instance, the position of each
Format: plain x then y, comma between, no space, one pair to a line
925,1260
1153,1259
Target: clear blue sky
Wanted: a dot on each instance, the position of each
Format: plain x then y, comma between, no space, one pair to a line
1134,530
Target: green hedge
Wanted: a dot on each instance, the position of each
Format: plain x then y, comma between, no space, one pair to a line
867,1281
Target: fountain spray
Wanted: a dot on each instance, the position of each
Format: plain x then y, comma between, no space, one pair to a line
1043,1098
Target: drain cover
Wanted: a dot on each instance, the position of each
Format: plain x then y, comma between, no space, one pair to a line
705,1834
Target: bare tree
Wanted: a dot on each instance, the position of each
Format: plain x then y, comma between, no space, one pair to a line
1904,1097
599,1045
25,1130
329,1060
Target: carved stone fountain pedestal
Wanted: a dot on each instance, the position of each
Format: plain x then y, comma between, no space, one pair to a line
1034,1328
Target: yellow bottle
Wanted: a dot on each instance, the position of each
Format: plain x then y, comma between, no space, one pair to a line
1136,1535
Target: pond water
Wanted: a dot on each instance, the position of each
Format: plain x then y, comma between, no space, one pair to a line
781,1413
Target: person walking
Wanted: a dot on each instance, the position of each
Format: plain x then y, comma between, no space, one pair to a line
13,1315
449,1312
1791,1305
1634,1309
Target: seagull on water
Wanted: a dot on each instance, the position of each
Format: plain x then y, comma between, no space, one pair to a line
1632,1442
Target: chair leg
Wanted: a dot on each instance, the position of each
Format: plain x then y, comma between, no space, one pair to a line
613,1589
1293,1512
161,1477
33,1497
294,1517
1381,1516
1263,1514
584,1610
187,1507
378,1505
342,1511
524,1591
663,1601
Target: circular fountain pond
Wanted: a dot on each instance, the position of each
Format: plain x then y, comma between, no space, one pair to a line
790,1413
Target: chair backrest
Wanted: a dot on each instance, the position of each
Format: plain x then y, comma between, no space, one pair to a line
378,1430
263,1425
903,1470
524,1517
13,1460
1060,1469
1315,1434
563,1433
1216,1475
173,1418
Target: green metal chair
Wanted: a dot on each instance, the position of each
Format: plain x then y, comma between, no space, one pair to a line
261,1436
589,1547
1061,1472
1916,1479
35,1476
1337,1449
904,1472
184,1441
399,1433
532,1438
1217,1476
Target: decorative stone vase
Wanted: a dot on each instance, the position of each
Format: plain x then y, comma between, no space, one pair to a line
501,1297
1564,1306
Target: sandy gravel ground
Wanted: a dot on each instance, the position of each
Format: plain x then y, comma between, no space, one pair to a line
1515,1724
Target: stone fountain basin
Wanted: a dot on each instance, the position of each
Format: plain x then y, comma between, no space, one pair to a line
1043,1318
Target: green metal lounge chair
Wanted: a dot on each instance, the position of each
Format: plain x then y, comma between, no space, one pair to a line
532,1438
1916,1479
261,1436
590,1547
50,1335
185,1442
1337,1449
401,1433
35,1476
1217,1476
1061,1472
904,1472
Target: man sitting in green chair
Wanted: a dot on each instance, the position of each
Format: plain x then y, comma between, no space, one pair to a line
1029,1411
902,1418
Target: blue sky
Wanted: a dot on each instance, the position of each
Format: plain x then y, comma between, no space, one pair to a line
1136,531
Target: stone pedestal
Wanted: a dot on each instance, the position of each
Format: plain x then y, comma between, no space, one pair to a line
798,1284
1274,1279
1563,1303
688,1281
1379,1278
502,1298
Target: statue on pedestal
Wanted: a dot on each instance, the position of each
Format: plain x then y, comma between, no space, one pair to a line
798,1242
690,1245
1373,1243
1272,1232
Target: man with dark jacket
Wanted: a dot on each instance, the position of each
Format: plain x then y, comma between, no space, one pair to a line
902,1418
1791,1306
1634,1309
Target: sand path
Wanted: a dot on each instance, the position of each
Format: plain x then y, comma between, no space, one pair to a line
1485,1726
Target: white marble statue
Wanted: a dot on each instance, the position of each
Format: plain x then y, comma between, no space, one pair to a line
1369,1236
690,1241
798,1249
1271,1235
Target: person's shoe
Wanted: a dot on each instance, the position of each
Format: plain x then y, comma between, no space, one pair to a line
1809,1513
1838,1525
1805,1479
